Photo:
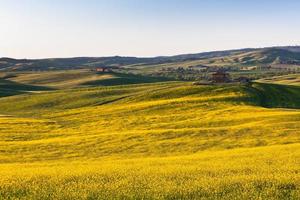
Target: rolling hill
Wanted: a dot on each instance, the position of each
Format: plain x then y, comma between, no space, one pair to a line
61,79
167,140
258,57
241,57
291,79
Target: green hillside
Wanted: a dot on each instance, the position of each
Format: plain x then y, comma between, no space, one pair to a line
291,79
164,140
36,81
236,58
253,57
9,88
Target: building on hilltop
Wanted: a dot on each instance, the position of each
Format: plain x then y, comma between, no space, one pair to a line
220,76
103,69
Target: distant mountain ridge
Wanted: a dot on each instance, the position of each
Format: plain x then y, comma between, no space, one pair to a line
268,55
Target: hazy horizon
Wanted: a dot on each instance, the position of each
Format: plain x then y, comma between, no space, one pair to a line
53,29
187,53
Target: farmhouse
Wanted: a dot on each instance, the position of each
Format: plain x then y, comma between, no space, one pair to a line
103,69
220,77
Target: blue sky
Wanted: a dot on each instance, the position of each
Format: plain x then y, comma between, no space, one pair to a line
67,28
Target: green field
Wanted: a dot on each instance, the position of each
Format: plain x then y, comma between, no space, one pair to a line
65,79
152,140
292,79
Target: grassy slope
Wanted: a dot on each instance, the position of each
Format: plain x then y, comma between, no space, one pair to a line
292,79
76,78
265,56
212,141
254,58
10,88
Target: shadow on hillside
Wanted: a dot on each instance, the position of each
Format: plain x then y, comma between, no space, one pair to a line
125,79
10,88
274,95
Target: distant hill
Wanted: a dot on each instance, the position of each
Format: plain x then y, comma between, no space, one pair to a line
270,55
266,56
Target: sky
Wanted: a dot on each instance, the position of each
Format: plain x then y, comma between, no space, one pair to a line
144,28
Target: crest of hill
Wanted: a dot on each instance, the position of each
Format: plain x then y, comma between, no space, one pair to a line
270,55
